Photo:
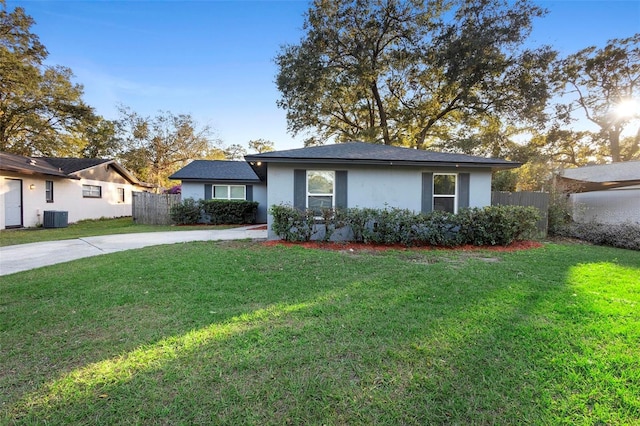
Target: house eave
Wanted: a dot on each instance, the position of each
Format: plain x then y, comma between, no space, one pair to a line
37,173
253,161
226,180
578,186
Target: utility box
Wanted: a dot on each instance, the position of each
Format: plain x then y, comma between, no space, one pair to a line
55,219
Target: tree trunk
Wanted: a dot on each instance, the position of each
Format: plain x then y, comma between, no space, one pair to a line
614,143
382,113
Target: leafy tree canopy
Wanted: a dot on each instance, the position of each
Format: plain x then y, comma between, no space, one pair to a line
156,147
40,108
235,152
603,85
412,72
261,145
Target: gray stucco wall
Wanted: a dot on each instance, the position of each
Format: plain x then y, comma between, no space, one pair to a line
195,190
377,187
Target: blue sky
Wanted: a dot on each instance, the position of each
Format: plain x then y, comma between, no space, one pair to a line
214,59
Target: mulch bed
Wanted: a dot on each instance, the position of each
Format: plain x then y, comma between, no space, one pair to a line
518,245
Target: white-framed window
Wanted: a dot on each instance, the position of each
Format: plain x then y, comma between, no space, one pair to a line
229,192
48,191
321,185
445,192
121,195
91,191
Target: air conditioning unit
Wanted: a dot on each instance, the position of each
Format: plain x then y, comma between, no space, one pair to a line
55,219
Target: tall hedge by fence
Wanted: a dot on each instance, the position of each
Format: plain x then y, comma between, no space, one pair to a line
539,200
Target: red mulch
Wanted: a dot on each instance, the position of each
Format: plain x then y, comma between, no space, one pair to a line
518,245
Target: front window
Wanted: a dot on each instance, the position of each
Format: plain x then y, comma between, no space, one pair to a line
320,190
48,191
121,195
229,192
444,192
91,191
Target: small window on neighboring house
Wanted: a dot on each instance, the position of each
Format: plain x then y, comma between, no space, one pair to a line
48,191
320,190
237,192
444,192
121,195
229,192
91,191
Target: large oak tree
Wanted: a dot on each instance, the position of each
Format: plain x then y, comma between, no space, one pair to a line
412,72
40,106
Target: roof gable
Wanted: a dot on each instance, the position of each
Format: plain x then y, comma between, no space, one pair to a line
216,170
72,165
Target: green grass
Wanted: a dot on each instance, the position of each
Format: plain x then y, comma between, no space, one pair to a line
239,333
86,228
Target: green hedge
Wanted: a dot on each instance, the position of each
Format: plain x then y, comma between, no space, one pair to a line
214,212
494,225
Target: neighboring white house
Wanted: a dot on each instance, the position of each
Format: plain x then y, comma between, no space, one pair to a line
85,188
606,193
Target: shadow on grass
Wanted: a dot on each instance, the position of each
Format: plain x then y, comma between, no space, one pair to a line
281,335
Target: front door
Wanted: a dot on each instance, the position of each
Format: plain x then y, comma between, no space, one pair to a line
13,204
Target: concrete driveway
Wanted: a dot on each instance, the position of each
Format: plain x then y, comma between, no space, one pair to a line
29,256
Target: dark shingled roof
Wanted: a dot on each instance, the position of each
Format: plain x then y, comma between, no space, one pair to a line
72,165
28,165
216,170
369,153
62,167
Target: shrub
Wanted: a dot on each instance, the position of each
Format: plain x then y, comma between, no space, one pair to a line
216,212
626,236
560,211
389,226
185,213
332,219
291,224
497,225
359,220
235,212
479,226
437,228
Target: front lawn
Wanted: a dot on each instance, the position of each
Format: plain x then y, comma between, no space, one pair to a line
241,333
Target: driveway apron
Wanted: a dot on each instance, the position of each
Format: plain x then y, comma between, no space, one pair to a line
29,256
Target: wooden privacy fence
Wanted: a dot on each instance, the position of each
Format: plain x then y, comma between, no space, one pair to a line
153,209
534,199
